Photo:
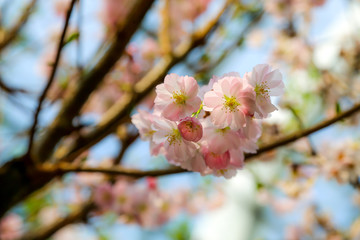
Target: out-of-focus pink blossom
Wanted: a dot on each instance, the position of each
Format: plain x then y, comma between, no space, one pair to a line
143,122
61,6
11,227
230,102
190,129
103,196
114,12
177,97
266,83
151,183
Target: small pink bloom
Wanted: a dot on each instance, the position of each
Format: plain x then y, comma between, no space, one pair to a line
176,148
266,83
104,197
196,164
143,122
216,160
230,102
11,227
151,183
177,97
114,12
120,192
229,139
190,129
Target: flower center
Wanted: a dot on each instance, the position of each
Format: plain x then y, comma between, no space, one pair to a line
262,89
222,130
173,137
230,104
179,97
149,133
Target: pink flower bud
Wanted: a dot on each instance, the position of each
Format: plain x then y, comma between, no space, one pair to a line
190,129
151,183
217,161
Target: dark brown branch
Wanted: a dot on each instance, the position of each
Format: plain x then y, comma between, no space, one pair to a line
52,76
301,125
303,133
10,90
63,168
48,231
71,107
14,31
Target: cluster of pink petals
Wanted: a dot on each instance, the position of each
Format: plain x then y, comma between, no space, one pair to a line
208,129
144,205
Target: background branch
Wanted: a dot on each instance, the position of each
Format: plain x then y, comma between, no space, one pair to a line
71,107
45,233
52,76
14,31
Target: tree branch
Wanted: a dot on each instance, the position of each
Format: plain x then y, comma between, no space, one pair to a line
62,168
71,107
122,108
10,90
52,76
48,231
11,35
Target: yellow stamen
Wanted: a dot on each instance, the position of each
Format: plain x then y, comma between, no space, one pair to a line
230,104
173,137
262,89
179,97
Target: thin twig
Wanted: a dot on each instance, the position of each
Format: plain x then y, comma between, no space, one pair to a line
52,76
13,33
306,132
10,90
302,126
46,232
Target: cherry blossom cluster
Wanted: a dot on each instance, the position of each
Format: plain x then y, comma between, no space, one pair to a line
208,129
147,204
139,203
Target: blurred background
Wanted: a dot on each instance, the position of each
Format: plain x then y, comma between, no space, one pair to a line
307,189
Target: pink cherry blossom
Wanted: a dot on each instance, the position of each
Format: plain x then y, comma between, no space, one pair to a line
216,160
229,138
177,97
266,83
230,102
151,183
143,122
11,227
177,149
190,129
196,164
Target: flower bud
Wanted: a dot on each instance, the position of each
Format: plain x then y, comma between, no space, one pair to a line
190,129
151,183
216,160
